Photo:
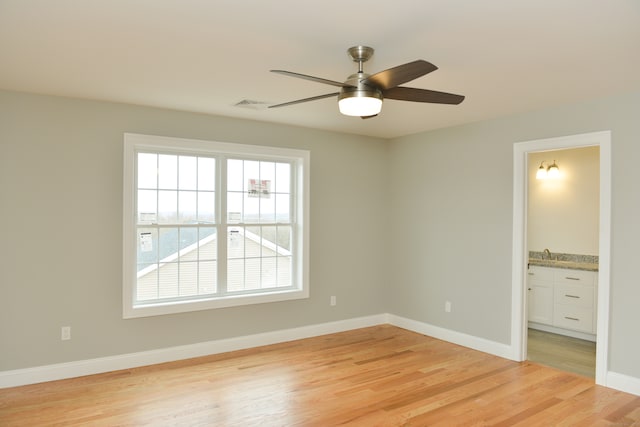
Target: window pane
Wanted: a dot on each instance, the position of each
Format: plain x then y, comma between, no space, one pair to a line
147,170
167,207
252,242
252,274
206,206
268,172
187,168
167,243
268,275
235,244
168,280
147,251
147,283
188,244
251,172
167,172
234,207
207,277
251,209
267,209
283,177
147,206
284,271
206,174
268,240
235,275
284,239
208,244
186,207
235,175
188,278
283,206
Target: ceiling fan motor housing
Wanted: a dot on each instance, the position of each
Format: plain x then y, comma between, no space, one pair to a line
358,99
355,88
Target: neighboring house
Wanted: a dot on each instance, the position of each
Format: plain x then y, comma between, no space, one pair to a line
175,274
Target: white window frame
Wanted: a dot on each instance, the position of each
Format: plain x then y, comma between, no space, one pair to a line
300,159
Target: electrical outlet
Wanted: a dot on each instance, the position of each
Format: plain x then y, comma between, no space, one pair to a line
65,333
333,301
447,306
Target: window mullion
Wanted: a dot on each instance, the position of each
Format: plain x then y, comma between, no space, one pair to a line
293,213
222,228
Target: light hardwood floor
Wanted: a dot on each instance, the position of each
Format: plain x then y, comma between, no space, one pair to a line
378,376
562,352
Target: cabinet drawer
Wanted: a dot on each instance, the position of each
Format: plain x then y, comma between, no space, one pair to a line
576,318
539,274
575,276
574,295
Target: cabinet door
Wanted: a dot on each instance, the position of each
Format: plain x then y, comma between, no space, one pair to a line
540,301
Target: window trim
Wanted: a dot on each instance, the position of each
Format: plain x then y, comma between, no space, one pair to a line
300,160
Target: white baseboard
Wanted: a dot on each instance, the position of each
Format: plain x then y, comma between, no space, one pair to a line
18,377
623,383
79,368
470,341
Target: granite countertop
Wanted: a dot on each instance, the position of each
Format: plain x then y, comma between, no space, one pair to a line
568,261
571,265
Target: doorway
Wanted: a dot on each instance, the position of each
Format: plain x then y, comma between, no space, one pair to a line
520,246
562,232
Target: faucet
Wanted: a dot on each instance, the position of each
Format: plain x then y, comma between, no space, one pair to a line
546,251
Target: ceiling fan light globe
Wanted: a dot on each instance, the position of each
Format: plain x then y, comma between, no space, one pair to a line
360,106
360,103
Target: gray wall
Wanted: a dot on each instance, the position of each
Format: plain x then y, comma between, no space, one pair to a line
397,226
61,228
451,211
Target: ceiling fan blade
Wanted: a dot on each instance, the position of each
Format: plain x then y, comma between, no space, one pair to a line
300,101
368,117
396,76
422,95
312,78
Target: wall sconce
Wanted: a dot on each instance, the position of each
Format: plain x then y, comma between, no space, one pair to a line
551,172
554,171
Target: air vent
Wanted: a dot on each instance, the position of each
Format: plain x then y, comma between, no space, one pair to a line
252,104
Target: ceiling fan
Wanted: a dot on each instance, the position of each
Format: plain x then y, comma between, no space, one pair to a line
362,94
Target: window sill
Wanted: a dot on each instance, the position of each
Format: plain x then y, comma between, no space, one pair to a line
131,311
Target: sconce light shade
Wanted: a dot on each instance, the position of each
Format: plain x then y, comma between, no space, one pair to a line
542,172
554,171
360,102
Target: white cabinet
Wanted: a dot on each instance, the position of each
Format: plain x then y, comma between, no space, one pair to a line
562,298
574,300
540,296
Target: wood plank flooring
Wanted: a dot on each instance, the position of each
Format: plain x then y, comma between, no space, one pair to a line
378,376
562,352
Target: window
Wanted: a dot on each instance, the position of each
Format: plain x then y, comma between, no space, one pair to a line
209,224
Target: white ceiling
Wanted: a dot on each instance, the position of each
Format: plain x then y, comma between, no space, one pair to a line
505,56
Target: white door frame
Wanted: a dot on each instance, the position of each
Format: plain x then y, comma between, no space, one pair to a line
520,255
